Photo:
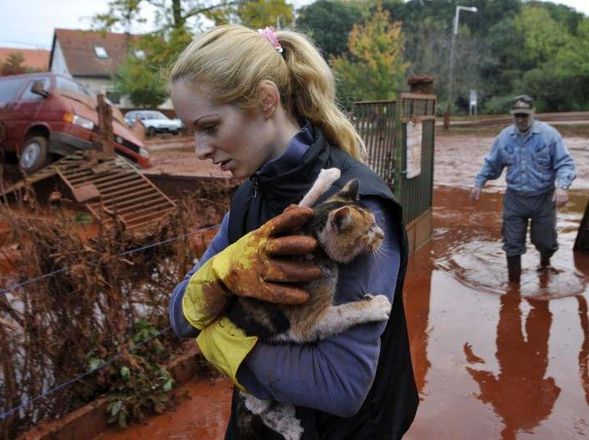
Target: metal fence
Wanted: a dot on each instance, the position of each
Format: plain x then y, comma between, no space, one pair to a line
399,136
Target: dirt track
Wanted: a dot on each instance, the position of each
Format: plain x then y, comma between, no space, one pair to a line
175,155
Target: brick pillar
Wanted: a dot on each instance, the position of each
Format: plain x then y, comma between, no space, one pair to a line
421,83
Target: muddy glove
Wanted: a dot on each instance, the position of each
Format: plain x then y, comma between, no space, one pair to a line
249,268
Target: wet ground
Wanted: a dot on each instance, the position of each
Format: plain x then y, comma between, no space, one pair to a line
490,362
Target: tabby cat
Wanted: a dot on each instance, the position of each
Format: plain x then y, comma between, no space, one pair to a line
344,230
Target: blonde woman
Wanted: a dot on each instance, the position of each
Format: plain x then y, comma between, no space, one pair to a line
262,106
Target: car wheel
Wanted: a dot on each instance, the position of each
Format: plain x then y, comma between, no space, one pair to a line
151,131
33,155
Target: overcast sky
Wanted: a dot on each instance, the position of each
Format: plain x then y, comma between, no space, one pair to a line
30,23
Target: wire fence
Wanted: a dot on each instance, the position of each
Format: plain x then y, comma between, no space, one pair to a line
129,252
89,317
64,385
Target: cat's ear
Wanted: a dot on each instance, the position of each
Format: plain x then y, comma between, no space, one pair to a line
341,218
350,191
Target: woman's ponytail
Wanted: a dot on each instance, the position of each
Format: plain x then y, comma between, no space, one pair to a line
313,95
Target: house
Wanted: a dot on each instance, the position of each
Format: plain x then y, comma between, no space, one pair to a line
34,59
92,58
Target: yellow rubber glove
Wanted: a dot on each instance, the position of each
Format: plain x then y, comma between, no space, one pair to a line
225,346
249,267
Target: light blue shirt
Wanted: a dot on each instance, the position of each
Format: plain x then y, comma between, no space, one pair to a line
534,160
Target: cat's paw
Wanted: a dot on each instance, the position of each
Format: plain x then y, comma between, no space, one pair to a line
378,307
295,430
255,405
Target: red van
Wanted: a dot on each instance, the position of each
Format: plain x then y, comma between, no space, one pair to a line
43,115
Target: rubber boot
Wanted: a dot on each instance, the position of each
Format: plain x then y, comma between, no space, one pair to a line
544,260
514,269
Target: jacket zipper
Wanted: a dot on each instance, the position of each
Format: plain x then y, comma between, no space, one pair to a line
255,184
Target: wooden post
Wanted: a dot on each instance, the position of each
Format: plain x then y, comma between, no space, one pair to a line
105,142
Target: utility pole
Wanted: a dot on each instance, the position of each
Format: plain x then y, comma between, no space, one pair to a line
451,71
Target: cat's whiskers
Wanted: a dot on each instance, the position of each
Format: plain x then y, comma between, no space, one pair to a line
378,253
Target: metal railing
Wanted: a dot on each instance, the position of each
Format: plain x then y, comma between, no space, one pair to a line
383,126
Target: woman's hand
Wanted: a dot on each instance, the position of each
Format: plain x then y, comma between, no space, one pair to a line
252,267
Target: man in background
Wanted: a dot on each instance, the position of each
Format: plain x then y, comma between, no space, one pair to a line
539,173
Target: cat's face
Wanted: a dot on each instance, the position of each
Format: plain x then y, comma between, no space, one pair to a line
349,230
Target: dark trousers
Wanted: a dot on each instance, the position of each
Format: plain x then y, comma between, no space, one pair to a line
518,209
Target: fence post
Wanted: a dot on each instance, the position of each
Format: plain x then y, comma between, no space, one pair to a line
105,145
399,153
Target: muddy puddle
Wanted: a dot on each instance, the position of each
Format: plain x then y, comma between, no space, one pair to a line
490,362
472,254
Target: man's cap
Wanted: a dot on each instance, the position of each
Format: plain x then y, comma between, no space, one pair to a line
522,104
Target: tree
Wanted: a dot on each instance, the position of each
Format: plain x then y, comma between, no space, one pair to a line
544,37
329,23
427,26
13,64
375,68
261,13
169,14
562,81
548,54
143,77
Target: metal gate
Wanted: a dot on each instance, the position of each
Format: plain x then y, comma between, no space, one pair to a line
392,153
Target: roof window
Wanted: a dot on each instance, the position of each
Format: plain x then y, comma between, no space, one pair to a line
100,52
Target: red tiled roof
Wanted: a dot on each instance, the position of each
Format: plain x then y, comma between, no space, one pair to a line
34,58
80,57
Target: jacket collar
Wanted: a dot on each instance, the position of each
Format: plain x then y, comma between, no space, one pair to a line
283,180
534,129
293,155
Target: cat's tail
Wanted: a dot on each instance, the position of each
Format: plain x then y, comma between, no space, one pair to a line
325,179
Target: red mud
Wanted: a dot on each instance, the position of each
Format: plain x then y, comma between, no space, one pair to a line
489,363
201,415
175,155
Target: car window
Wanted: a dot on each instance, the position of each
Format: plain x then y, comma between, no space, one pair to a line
155,115
28,95
9,88
73,90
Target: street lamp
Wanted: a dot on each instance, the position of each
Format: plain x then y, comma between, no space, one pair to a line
451,72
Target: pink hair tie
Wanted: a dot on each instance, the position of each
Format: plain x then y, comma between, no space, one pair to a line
269,34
